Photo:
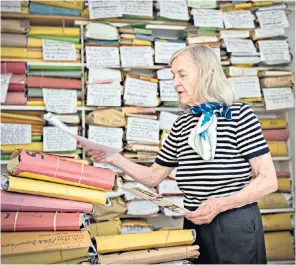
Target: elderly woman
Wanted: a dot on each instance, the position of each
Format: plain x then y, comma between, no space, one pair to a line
223,162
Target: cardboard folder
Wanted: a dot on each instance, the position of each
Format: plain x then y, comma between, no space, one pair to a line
284,184
55,169
151,255
157,239
277,221
275,200
107,228
106,117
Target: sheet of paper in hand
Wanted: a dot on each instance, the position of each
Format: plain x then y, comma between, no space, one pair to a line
141,192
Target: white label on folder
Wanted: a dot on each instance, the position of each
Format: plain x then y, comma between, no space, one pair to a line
99,74
238,20
137,7
104,8
274,51
140,93
54,50
264,33
207,18
241,71
246,87
165,50
111,137
102,57
174,9
11,6
142,130
108,166
240,46
5,78
166,120
136,56
202,3
108,95
56,140
167,91
60,101
15,133
165,73
272,19
278,98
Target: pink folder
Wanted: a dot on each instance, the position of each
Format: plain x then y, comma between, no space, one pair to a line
13,67
15,98
53,82
276,135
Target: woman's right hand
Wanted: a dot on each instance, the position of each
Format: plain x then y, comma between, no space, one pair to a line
98,156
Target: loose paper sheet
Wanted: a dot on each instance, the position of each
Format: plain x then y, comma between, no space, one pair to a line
165,50
99,74
137,7
245,60
102,57
61,101
110,152
273,7
202,3
279,98
56,140
178,200
167,91
165,73
226,34
274,51
5,78
104,8
111,137
273,19
240,45
238,20
54,50
207,18
166,120
15,133
108,166
108,95
240,71
142,130
140,93
174,9
11,6
263,33
246,87
136,56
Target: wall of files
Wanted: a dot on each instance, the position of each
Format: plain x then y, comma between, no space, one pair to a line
110,82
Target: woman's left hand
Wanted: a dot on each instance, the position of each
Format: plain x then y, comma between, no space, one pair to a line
206,212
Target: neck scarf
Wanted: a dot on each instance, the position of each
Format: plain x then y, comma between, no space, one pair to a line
203,137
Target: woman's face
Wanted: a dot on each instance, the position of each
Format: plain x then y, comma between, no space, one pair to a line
185,73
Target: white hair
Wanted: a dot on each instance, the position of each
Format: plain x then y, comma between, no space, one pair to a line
213,85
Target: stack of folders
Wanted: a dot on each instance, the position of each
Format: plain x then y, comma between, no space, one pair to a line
45,199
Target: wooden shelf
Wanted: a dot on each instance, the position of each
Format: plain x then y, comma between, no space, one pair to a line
4,162
279,210
24,107
281,262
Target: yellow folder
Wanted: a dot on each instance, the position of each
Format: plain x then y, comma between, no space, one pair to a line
274,201
44,188
279,246
11,52
21,117
278,148
10,148
284,184
41,103
54,31
157,239
277,221
74,4
273,123
108,228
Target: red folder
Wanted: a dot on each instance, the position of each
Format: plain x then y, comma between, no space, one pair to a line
18,79
15,98
12,201
283,174
276,135
57,168
13,67
53,82
16,87
30,221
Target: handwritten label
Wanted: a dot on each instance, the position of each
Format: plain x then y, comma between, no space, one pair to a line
240,45
165,73
272,19
56,140
142,130
246,87
104,95
136,56
165,50
278,98
60,101
274,51
99,74
268,33
5,79
15,133
202,3
137,7
54,50
245,60
272,7
111,137
11,6
224,34
102,57
166,120
174,9
207,18
140,92
240,71
238,20
104,8
108,166
167,91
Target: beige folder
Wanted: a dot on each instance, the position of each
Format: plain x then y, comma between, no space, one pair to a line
277,221
275,200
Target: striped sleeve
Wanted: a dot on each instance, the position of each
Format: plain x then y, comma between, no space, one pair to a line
168,154
250,140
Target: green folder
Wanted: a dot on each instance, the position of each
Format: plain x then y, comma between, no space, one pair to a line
5,157
64,74
36,138
37,93
54,67
60,38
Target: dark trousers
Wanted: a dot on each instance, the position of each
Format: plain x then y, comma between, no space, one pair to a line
234,237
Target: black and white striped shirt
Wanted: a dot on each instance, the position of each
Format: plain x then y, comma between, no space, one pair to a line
238,140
